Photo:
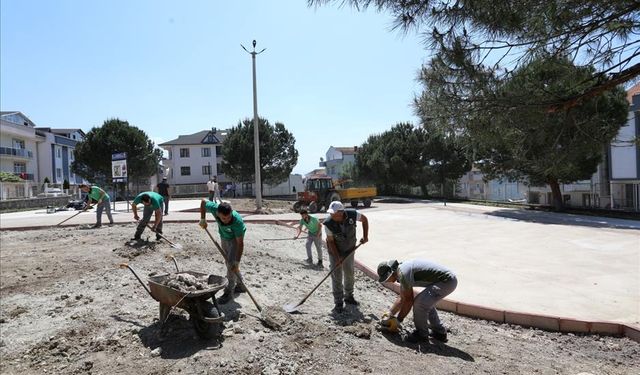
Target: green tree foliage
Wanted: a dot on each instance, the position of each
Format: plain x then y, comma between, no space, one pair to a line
468,37
9,177
278,154
520,139
65,184
406,155
93,155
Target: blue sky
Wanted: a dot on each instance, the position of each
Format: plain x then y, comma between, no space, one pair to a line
332,75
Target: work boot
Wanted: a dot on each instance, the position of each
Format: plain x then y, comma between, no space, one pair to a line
338,308
238,289
320,264
309,261
442,337
96,226
351,301
415,337
225,298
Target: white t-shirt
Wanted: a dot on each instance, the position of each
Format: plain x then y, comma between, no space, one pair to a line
212,186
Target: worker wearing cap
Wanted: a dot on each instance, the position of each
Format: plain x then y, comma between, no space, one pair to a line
437,281
340,228
163,189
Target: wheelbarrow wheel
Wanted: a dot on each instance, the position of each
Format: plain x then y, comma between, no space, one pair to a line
164,312
204,329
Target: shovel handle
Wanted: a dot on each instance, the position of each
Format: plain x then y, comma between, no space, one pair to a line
224,256
328,274
126,265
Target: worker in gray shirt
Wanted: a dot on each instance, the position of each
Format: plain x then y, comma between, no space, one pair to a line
437,281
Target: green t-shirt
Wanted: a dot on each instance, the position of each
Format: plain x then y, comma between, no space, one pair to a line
313,225
156,199
234,229
95,193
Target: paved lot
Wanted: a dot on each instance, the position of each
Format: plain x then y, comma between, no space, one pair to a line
571,266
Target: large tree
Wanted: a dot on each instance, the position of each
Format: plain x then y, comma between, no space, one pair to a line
278,154
470,36
93,155
519,139
409,155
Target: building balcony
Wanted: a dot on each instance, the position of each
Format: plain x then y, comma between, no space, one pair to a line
16,153
322,164
24,176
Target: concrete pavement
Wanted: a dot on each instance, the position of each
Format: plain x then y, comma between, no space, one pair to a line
579,267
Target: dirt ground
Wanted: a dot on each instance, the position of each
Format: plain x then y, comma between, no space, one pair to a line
67,308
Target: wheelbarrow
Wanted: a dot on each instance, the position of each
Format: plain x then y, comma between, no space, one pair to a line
206,317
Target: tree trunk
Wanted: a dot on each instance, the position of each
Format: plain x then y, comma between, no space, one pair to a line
556,195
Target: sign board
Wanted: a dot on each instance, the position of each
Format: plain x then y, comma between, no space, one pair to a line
119,167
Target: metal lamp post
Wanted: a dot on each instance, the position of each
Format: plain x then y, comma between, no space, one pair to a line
256,140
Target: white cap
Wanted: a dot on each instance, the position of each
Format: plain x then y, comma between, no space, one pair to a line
335,206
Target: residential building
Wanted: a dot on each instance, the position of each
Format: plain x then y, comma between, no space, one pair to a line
321,171
18,143
194,158
624,158
337,158
56,154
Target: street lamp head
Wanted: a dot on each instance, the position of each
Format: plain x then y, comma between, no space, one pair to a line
254,44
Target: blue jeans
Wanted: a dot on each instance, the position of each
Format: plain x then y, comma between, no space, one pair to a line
104,206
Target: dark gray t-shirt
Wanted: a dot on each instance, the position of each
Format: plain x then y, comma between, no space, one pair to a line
420,273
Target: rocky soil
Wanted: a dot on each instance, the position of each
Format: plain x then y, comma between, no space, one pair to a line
66,307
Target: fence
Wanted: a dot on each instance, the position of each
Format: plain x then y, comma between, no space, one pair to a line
15,190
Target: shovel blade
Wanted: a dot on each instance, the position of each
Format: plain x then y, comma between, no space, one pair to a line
291,307
176,246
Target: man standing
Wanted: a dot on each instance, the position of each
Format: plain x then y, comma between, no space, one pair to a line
163,189
341,241
152,202
103,202
314,232
214,189
231,229
437,281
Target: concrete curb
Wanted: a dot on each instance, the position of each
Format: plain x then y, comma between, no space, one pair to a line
545,322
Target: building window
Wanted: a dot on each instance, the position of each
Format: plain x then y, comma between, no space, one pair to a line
184,152
219,150
19,167
170,153
18,143
219,168
206,152
58,152
185,171
206,170
58,172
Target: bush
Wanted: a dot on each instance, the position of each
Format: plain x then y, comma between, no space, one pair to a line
9,177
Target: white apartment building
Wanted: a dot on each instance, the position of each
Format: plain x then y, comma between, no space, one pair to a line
337,158
194,158
18,146
55,154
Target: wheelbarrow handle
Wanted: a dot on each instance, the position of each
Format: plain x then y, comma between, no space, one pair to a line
126,265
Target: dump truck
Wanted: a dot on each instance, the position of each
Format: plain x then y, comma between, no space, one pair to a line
320,191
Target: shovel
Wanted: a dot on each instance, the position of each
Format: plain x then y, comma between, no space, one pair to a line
293,307
174,245
71,217
282,239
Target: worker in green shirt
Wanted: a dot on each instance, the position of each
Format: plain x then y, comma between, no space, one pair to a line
152,202
314,230
231,229
102,201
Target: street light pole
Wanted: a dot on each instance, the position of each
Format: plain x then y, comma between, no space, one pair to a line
256,133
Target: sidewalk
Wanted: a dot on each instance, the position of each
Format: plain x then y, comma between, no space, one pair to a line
573,266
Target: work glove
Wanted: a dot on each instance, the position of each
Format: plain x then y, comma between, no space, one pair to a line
203,223
389,324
